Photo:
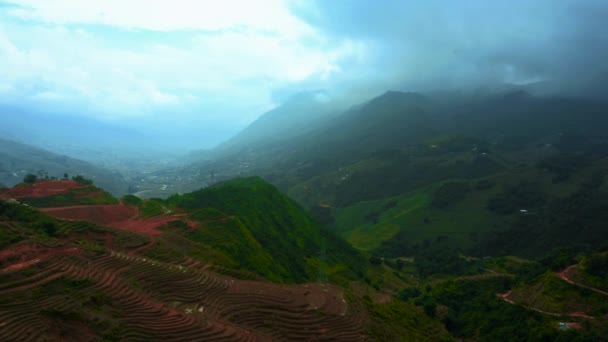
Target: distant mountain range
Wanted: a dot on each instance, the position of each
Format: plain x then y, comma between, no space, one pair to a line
471,217
17,160
112,145
385,161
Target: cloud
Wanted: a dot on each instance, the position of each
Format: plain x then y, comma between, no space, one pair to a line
472,43
209,15
121,59
215,64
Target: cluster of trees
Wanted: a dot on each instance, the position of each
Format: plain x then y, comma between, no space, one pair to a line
470,309
523,195
597,266
564,165
449,193
35,221
31,178
577,220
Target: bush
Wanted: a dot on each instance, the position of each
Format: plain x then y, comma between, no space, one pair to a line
598,266
131,200
564,165
375,260
449,193
524,195
409,293
30,179
80,179
484,184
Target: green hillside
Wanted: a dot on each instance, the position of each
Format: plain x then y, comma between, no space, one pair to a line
273,224
116,281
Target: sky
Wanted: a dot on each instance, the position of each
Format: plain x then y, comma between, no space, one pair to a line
205,69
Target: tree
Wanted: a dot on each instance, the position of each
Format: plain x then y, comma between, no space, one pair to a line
374,260
80,179
66,176
30,178
598,266
43,174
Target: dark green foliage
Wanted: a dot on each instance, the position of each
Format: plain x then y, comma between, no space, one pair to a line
234,239
8,236
79,196
578,221
23,222
323,215
375,260
484,184
401,176
440,260
207,214
47,226
400,321
152,207
278,224
82,180
524,195
474,311
563,165
449,193
409,293
597,266
561,257
131,200
30,179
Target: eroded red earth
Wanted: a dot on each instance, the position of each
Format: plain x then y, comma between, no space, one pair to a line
41,189
26,255
182,301
119,216
202,305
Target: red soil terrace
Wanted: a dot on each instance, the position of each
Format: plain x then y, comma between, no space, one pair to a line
181,303
117,216
41,189
178,303
25,255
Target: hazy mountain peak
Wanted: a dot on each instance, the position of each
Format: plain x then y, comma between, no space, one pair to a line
308,97
517,94
400,98
297,115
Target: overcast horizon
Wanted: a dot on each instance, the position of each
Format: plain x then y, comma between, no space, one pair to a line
202,70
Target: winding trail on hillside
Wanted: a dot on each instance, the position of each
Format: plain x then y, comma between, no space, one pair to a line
505,297
565,276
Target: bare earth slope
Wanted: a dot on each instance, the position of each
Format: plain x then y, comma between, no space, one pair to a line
97,283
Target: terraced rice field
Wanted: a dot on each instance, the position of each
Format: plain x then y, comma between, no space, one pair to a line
108,279
146,299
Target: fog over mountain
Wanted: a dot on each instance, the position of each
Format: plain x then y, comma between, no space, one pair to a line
190,74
